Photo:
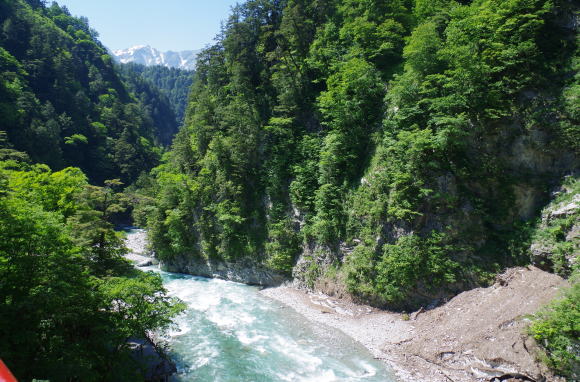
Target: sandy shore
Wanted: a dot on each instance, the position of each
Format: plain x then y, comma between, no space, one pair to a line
476,336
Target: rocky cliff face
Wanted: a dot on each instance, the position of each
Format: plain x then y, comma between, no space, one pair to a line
247,272
556,243
528,170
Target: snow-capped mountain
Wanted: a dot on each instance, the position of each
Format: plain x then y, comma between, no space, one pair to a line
146,55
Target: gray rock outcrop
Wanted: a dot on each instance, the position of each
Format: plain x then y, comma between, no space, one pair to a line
247,272
557,242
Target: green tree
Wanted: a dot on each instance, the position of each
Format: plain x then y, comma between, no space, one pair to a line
63,281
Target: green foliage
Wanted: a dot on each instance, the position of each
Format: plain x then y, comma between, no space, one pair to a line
359,268
421,51
331,123
76,140
313,271
410,264
412,261
557,329
125,297
46,297
305,174
330,217
350,108
69,301
145,83
283,247
375,31
569,100
62,101
173,83
429,8
553,233
353,98
169,217
410,155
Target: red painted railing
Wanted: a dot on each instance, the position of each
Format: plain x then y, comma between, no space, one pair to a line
5,374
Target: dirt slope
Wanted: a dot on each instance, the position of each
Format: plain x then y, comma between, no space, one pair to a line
479,333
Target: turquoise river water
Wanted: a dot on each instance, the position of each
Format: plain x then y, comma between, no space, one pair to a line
231,333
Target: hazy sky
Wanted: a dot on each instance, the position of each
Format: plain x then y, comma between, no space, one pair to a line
163,24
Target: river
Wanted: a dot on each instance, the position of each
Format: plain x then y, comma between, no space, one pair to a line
230,332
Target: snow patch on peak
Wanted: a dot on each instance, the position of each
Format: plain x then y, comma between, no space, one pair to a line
147,55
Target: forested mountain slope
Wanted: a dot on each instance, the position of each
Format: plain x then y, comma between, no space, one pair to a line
174,83
155,102
61,100
398,151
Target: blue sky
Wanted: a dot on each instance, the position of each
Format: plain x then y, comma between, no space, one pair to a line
163,24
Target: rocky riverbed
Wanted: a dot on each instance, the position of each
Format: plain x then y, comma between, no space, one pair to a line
139,253
476,336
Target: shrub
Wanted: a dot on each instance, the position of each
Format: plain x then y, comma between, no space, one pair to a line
557,331
414,262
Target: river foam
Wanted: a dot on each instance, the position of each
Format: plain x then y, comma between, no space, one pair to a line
231,333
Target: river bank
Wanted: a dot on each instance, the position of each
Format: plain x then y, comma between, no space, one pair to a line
231,332
476,336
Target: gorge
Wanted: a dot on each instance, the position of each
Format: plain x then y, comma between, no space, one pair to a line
403,172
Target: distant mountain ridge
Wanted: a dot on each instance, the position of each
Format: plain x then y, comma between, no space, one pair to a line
146,55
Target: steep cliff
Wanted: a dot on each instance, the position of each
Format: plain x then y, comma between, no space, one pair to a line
396,152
